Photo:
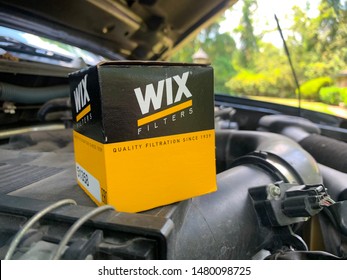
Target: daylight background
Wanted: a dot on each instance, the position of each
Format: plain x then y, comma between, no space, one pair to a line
246,50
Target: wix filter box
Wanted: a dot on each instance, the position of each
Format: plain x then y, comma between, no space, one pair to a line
143,133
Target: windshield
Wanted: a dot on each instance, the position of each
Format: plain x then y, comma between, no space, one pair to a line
248,54
29,47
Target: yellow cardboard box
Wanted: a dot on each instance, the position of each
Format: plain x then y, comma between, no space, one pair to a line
144,133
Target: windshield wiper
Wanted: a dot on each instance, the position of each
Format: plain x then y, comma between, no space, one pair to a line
27,52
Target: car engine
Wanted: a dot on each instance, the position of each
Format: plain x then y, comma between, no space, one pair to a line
281,185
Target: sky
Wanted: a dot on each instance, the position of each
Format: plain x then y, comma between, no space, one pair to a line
264,17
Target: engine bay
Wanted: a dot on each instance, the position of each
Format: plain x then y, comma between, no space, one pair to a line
281,179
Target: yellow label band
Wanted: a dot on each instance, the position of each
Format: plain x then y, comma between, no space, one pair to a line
167,169
84,112
164,113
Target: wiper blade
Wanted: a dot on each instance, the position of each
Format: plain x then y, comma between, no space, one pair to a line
15,47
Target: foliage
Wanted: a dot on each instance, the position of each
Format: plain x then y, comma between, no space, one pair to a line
270,76
318,48
247,83
260,84
343,96
184,55
219,47
331,95
319,44
249,42
310,89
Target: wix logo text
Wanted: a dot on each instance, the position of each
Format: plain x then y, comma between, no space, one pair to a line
81,94
156,97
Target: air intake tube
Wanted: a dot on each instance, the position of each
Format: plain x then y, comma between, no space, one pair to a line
224,224
331,154
31,95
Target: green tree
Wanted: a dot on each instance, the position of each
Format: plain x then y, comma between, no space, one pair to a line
249,42
318,47
219,48
320,44
262,68
271,75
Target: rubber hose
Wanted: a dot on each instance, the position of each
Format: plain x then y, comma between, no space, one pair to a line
53,105
327,151
32,95
231,145
335,181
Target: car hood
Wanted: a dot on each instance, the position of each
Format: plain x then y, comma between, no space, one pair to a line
116,29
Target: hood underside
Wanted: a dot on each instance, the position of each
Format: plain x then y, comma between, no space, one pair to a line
117,29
